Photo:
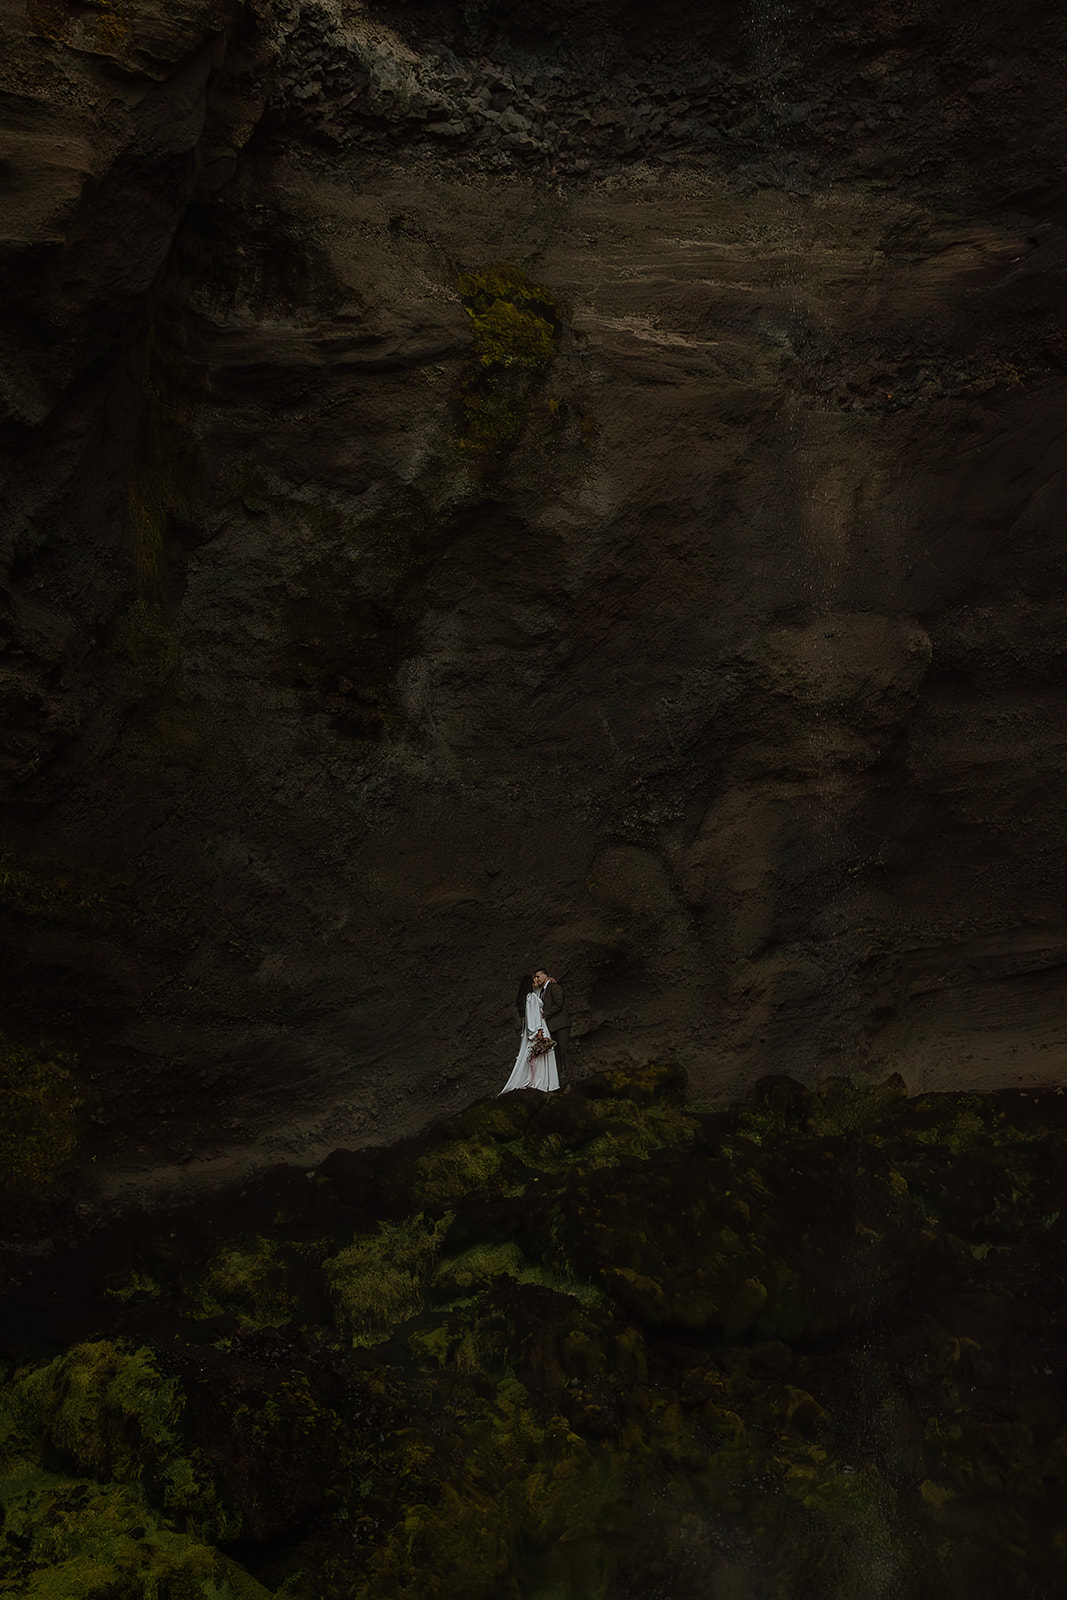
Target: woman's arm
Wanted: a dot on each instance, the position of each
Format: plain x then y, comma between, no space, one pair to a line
533,1013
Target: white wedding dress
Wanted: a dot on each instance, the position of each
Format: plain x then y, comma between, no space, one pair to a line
540,1073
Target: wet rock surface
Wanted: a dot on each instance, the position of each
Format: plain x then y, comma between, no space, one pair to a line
486,487
605,1345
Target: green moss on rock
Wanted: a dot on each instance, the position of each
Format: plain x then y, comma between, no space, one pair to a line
249,1278
106,1409
503,1117
381,1279
515,321
516,326
101,1408
467,1170
74,1539
466,1275
595,1131
519,1477
779,1108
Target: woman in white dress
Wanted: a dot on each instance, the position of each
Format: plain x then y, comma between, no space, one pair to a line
532,1071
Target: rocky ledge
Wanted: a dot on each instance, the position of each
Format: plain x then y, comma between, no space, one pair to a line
605,1345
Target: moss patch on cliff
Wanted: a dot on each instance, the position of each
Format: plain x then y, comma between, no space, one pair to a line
102,1409
516,326
71,1537
249,1278
106,1410
381,1278
515,321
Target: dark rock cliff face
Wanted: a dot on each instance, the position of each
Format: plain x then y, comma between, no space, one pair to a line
498,485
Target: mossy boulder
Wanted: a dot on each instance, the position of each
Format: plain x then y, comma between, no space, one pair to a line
777,1102
778,1107
467,1170
231,1442
107,1410
102,1408
74,1539
567,1123
605,1130
504,1116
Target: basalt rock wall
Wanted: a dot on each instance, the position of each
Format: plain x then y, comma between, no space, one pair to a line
489,486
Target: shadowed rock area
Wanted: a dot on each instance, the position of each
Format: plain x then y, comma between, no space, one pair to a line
492,485
482,486
600,1345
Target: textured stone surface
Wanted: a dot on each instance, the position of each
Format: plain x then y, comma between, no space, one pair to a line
701,637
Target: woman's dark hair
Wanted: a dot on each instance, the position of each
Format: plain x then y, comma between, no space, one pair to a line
525,985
